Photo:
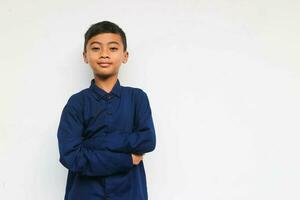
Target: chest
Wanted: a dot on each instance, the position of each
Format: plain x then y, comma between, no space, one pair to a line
108,115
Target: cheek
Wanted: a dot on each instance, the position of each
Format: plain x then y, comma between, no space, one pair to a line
94,59
119,58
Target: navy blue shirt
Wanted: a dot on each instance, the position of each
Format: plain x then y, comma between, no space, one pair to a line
97,133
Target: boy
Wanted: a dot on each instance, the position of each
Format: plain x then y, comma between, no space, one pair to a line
105,130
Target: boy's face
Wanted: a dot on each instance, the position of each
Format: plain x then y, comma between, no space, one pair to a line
105,54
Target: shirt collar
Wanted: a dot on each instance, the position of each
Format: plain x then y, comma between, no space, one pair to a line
116,90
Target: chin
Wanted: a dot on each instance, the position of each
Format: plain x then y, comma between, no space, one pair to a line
103,76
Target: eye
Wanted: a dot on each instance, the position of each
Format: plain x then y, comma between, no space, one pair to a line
114,48
95,48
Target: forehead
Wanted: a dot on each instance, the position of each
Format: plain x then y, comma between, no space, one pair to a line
106,38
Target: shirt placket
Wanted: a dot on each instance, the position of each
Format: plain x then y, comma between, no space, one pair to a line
109,114
109,111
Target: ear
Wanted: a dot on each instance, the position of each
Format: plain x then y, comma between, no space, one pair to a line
125,57
85,58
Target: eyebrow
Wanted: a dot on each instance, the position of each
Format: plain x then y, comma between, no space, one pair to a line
112,42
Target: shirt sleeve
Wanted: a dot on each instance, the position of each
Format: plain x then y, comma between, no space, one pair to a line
78,157
142,140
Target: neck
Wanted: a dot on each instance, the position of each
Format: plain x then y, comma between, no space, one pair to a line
106,83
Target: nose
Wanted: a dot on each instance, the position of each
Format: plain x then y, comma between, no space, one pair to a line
103,53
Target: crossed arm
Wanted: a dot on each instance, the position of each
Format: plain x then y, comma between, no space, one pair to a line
104,155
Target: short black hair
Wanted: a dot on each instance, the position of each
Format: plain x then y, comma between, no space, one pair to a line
104,27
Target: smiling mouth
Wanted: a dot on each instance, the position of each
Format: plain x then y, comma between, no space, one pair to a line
104,64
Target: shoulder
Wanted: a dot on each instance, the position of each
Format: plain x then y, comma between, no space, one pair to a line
76,100
140,98
137,93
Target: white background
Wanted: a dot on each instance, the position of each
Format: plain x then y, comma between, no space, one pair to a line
223,79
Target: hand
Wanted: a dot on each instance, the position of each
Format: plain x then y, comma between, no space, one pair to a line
136,159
